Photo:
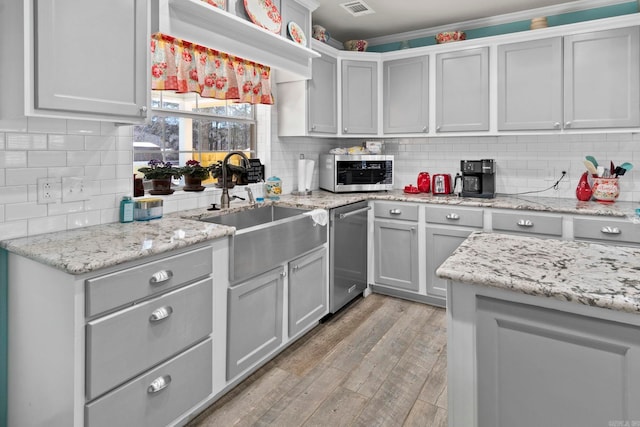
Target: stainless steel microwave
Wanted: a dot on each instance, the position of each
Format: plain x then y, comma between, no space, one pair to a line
361,172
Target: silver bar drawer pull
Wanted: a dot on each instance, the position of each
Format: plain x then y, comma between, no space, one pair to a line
525,223
160,314
395,211
159,383
161,276
453,216
610,230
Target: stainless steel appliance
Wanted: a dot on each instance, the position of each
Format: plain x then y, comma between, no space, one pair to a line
347,253
478,178
362,172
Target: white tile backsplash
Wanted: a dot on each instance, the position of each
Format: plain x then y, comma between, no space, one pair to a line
26,141
102,153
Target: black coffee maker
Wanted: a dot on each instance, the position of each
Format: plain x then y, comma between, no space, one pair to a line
478,178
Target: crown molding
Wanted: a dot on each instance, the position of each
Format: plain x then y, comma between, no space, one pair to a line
508,18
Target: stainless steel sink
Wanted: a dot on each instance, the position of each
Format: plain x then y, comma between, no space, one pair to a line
249,218
267,237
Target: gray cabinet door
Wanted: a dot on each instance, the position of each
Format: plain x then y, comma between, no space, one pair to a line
83,66
441,242
530,85
601,84
359,97
323,95
254,326
462,90
396,254
406,95
581,370
308,290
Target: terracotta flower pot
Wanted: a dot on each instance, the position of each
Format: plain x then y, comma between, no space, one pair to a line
192,183
161,186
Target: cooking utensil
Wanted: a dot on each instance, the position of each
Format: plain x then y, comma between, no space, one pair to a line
600,171
612,169
619,171
592,160
626,166
591,167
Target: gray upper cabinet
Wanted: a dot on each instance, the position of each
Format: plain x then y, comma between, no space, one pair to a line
359,97
530,85
462,90
601,79
82,67
406,95
323,96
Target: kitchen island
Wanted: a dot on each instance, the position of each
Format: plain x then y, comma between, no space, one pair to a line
542,332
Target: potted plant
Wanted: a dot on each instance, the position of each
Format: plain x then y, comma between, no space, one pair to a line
232,170
194,173
160,173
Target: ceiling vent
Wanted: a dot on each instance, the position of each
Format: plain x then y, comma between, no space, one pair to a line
357,8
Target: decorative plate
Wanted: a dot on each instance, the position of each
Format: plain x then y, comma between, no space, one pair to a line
264,14
222,4
296,33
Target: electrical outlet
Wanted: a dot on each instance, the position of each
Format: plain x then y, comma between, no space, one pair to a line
48,190
74,189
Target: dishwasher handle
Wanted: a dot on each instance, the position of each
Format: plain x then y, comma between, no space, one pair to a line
357,211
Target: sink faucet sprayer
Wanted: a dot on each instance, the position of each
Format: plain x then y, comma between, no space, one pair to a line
224,199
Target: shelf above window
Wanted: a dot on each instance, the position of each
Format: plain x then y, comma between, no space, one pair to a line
201,23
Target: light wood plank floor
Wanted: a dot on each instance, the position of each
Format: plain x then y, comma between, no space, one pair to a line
382,362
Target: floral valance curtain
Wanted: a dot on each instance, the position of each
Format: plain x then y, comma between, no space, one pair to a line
183,66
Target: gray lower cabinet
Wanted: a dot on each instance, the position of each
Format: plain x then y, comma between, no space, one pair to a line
606,230
447,227
601,86
406,95
527,223
462,90
158,396
530,85
359,97
396,254
308,296
541,367
254,316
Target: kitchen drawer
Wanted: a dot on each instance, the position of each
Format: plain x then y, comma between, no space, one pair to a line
124,287
124,344
610,230
454,216
188,379
395,210
526,222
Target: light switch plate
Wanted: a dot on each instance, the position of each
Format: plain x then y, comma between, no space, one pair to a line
74,189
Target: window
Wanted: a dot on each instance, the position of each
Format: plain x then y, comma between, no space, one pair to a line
184,126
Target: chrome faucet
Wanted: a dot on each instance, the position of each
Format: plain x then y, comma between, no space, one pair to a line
224,199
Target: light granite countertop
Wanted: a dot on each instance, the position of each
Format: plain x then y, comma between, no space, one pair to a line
91,248
585,273
87,249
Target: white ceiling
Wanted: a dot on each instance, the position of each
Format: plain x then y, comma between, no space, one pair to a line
399,16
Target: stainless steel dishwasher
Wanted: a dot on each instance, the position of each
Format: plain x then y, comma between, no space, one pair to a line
347,253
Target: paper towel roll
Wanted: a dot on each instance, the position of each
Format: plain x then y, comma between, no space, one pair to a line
308,174
302,163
